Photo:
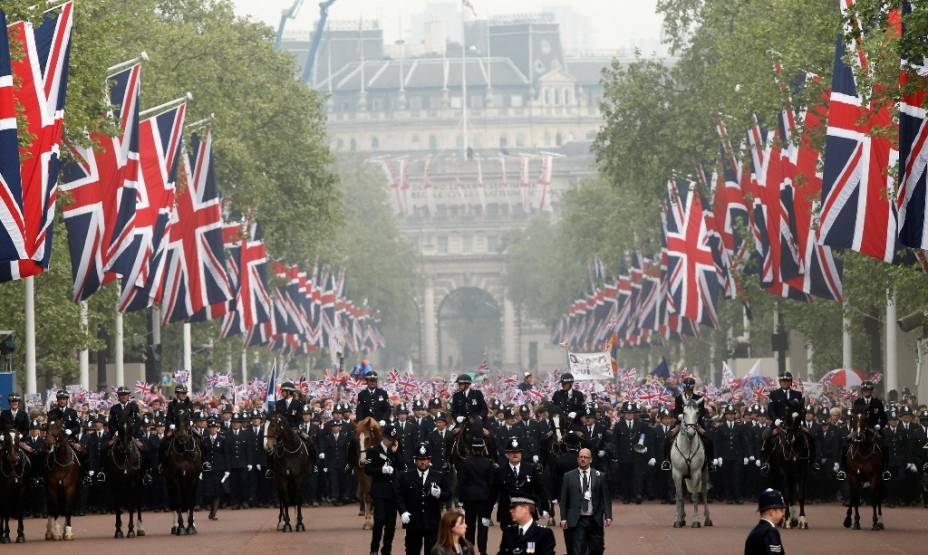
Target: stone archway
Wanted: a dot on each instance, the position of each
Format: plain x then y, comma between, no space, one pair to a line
469,330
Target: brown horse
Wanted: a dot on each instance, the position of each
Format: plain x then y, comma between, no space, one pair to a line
367,433
864,461
14,470
62,474
291,460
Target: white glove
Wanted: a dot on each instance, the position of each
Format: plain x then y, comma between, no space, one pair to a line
436,491
321,456
225,476
382,423
545,515
777,422
757,464
173,427
911,467
485,522
571,415
404,518
248,468
680,417
201,476
836,467
652,461
90,472
324,470
718,462
259,468
745,461
459,419
388,470
751,458
645,451
67,432
535,459
601,454
877,427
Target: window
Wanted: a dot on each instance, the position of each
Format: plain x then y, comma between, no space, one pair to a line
467,244
415,103
434,102
520,139
459,141
503,141
476,101
433,142
567,99
377,104
547,95
515,101
456,102
375,143
557,96
475,141
442,244
547,138
415,140
492,243
354,145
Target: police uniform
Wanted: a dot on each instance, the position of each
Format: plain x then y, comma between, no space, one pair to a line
596,439
175,408
895,438
419,498
765,538
36,449
215,465
532,539
731,449
627,435
440,442
383,466
18,420
468,403
570,400
335,463
408,435
116,413
258,484
476,482
373,402
291,407
525,480
240,462
505,434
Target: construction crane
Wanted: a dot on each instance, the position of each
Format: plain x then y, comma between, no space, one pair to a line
316,40
284,16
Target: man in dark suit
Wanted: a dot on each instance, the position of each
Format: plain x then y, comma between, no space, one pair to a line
15,417
586,506
524,536
373,401
731,453
476,484
467,402
765,538
628,432
420,493
240,461
408,435
383,466
440,441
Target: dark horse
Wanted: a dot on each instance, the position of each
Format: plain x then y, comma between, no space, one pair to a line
790,458
123,463
182,461
864,461
462,447
62,475
14,469
554,445
291,461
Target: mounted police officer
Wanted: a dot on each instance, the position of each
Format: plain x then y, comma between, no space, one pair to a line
68,418
122,406
687,396
15,417
373,401
467,402
420,494
179,405
383,464
568,400
781,401
876,418
291,407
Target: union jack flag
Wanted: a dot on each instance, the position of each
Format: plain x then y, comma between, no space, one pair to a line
103,186
693,284
40,78
160,146
857,210
544,184
195,273
11,192
730,207
912,198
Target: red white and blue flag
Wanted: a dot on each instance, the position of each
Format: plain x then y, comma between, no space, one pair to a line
12,248
912,198
102,185
40,81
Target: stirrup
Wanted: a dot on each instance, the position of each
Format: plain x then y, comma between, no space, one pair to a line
665,465
840,475
765,467
887,475
147,480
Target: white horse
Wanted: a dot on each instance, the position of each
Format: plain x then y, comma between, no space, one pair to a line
687,459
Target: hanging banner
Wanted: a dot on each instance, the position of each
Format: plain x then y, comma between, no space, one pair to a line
590,366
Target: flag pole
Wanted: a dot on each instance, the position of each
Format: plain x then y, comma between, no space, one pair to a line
30,335
169,104
85,353
188,351
120,367
143,57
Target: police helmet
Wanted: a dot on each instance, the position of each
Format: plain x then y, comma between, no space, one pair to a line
786,376
13,397
689,382
770,499
62,394
422,452
418,404
513,446
180,388
628,406
402,408
730,409
434,403
567,377
866,384
464,378
122,390
371,376
390,431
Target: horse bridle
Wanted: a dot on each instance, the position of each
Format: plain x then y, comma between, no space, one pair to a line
22,462
301,445
688,459
72,455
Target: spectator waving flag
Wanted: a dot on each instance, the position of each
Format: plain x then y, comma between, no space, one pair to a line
102,185
40,77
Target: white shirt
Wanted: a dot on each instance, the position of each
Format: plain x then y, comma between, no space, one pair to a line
515,469
424,475
525,527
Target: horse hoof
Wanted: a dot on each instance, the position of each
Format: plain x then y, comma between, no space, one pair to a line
856,526
695,525
68,537
5,539
20,539
174,531
876,526
191,530
360,513
847,522
48,536
300,527
679,524
280,526
708,522
131,534
140,533
367,526
118,534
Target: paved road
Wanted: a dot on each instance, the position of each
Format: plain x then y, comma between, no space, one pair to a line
337,531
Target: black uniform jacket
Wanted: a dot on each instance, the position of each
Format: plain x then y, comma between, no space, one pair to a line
763,539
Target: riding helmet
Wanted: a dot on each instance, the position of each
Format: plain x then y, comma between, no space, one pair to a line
180,388
866,384
14,397
770,499
62,394
786,376
287,386
689,382
567,377
372,375
422,452
123,390
464,378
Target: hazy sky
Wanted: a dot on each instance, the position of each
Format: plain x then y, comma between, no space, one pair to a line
616,23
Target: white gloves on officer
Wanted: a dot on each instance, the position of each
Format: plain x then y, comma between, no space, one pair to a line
321,456
404,518
388,470
571,415
67,432
751,458
911,467
90,473
436,491
652,461
746,461
535,459
248,468
545,515
777,422
225,476
836,467
459,419
172,427
601,453
757,464
718,462
485,522
382,423
877,427
259,468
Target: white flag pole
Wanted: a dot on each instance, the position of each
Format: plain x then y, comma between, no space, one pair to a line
85,353
30,335
120,368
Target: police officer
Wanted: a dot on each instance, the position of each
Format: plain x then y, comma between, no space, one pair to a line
93,442
123,405
476,482
518,478
422,419
595,437
240,461
36,448
291,407
420,493
383,466
373,401
67,416
663,485
525,535
215,466
628,436
680,401
14,418
765,538
731,454
896,441
336,444
876,418
467,402
568,400
506,433
179,407
408,435
780,401
258,495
